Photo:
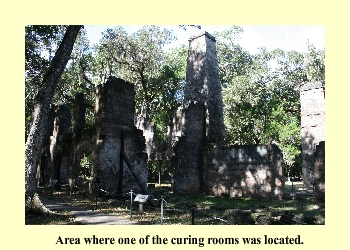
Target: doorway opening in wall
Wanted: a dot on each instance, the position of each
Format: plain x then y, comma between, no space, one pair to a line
85,164
159,173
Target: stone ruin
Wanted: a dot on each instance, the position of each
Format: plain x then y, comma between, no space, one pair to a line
121,145
200,161
116,145
312,100
117,133
319,171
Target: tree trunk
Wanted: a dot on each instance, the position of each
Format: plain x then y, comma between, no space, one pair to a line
34,143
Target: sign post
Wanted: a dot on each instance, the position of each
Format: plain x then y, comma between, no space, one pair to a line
141,199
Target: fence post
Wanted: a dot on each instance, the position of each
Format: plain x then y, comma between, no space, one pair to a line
131,204
192,212
70,194
52,183
51,190
96,190
162,209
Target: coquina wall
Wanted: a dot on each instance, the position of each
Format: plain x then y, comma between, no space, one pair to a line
244,171
312,100
319,171
114,115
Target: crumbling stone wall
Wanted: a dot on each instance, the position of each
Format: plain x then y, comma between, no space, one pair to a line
156,151
149,132
66,140
187,150
44,167
244,171
114,114
312,100
78,123
60,144
319,171
80,147
199,162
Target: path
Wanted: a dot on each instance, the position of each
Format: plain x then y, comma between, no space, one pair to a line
88,217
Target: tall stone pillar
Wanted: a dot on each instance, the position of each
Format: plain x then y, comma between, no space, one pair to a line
203,83
60,145
201,119
187,165
114,115
78,123
312,100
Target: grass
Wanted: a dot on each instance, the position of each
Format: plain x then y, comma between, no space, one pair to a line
210,210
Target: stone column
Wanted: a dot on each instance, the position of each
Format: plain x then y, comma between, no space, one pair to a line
201,119
60,144
203,83
319,171
312,101
186,163
78,123
114,114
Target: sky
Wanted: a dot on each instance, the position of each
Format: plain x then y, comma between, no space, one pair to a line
275,36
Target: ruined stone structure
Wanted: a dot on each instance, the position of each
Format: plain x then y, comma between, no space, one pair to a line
65,142
60,145
244,171
186,161
114,124
121,145
201,119
319,171
81,141
149,132
312,100
114,115
200,163
203,84
44,166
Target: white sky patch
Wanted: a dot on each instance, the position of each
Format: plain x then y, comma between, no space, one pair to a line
285,37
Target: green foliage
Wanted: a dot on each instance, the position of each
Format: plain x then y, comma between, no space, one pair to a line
137,58
261,94
41,43
140,58
40,47
77,78
285,129
169,97
232,58
85,164
315,64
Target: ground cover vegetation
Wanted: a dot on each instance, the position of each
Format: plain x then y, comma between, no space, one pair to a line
209,210
260,91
